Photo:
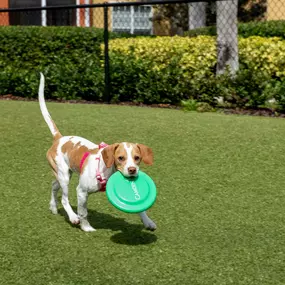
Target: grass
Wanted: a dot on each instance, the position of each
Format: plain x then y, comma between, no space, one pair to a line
220,208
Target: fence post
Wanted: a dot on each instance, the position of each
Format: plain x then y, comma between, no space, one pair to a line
106,56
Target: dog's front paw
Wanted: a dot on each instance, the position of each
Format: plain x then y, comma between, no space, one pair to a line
150,225
74,219
53,209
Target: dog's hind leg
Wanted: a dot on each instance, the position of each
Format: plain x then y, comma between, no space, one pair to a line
54,191
63,175
55,184
53,201
82,196
148,223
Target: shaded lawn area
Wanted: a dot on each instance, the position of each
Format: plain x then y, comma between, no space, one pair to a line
220,209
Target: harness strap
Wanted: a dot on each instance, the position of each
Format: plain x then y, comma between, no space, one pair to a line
85,155
102,181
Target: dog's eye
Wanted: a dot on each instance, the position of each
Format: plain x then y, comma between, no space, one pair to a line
121,158
137,158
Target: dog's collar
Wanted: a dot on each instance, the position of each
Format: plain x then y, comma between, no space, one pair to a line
101,180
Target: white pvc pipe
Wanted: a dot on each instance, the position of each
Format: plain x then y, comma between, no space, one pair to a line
44,13
87,15
78,14
132,19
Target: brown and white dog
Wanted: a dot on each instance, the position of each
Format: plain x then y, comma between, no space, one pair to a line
93,164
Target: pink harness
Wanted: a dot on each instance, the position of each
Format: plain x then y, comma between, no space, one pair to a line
102,181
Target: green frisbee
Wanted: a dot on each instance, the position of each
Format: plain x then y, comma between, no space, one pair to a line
131,195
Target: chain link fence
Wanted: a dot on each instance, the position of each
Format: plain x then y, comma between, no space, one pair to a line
143,18
149,18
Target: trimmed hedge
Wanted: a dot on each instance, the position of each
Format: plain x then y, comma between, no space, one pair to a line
69,56
156,70
168,70
143,69
28,47
263,29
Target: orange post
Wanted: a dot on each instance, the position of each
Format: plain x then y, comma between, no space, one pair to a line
82,14
4,19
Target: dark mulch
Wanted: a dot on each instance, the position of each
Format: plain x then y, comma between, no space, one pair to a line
252,112
17,98
228,111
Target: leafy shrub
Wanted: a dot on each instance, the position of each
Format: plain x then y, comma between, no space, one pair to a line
189,105
193,105
245,30
276,92
28,47
263,29
248,89
69,56
172,69
265,54
155,70
205,31
62,82
143,69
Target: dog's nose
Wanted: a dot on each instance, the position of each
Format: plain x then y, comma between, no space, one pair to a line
132,170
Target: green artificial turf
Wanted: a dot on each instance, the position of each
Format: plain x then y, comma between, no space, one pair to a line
220,209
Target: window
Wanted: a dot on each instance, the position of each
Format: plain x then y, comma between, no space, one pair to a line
61,17
25,18
142,23
133,20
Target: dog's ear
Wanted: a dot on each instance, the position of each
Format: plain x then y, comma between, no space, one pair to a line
108,154
146,153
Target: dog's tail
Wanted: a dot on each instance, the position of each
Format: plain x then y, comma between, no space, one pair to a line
53,128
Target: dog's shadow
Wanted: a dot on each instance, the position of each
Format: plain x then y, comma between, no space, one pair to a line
130,234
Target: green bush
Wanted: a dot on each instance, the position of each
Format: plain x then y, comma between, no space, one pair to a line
248,89
193,105
143,69
70,57
29,47
205,31
168,70
156,70
276,92
263,29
